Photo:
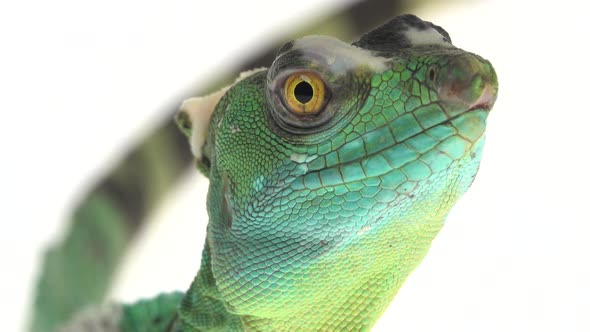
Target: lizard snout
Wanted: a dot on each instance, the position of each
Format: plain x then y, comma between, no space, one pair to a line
469,82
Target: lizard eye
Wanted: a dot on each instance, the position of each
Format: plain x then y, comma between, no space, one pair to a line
301,100
305,93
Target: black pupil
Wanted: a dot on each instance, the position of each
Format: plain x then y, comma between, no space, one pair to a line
303,92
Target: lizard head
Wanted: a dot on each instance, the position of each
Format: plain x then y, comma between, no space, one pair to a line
332,171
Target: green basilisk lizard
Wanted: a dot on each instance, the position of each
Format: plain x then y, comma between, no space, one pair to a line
330,173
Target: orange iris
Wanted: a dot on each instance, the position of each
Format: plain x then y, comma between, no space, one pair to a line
305,93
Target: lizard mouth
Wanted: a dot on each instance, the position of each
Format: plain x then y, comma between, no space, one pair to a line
483,107
483,103
480,107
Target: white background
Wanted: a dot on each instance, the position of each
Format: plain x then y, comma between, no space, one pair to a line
80,81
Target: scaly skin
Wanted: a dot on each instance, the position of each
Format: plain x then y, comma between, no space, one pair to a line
317,228
78,269
316,221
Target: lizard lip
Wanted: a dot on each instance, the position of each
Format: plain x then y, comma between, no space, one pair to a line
479,107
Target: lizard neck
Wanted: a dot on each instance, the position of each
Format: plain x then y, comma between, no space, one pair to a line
202,308
358,299
355,303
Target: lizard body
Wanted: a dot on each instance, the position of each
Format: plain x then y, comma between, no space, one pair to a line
330,174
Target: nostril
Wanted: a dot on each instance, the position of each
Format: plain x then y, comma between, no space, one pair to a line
431,74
